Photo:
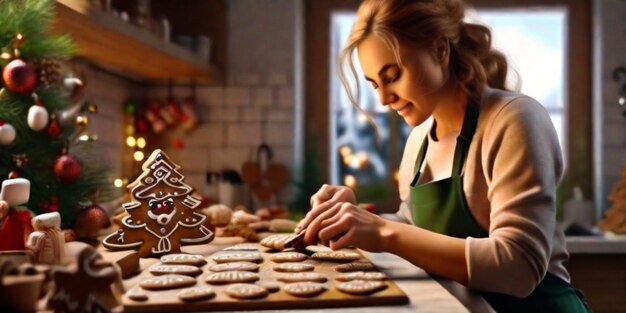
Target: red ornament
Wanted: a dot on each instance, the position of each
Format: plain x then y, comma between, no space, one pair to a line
54,130
178,143
14,174
19,77
90,221
66,168
141,125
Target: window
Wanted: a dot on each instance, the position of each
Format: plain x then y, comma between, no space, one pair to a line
534,42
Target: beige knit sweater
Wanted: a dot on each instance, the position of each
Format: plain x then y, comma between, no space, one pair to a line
511,173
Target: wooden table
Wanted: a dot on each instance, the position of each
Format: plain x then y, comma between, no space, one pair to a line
425,293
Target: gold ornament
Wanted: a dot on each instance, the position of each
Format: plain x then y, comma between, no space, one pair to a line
82,121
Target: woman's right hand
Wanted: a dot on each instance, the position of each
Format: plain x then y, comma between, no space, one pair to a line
326,198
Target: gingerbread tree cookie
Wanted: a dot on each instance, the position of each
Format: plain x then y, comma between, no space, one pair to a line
163,215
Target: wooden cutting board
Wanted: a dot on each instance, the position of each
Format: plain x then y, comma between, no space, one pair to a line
167,301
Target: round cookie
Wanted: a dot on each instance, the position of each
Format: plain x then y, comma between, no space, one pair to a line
246,291
238,257
362,276
163,269
235,266
355,266
183,259
336,256
241,247
276,241
290,256
304,289
169,281
231,277
137,294
361,287
303,276
196,293
293,267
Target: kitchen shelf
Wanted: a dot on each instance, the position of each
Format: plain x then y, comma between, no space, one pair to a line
108,41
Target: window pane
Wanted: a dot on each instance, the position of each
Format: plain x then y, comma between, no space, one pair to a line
533,41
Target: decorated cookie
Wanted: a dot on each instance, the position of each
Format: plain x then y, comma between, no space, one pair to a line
276,242
246,291
290,256
235,266
271,286
137,294
163,215
242,247
293,267
231,277
355,266
183,259
169,281
163,269
77,289
304,289
336,256
238,257
303,276
362,276
196,293
360,287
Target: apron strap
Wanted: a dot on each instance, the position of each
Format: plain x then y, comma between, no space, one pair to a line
465,138
470,120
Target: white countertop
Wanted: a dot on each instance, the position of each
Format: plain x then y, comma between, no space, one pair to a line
608,244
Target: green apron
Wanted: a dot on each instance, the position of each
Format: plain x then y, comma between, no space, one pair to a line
441,206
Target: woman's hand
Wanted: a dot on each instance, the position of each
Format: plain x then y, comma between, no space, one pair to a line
348,225
325,199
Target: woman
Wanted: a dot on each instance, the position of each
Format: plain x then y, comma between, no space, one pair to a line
477,180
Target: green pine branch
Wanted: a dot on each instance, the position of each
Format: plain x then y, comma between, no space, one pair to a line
32,19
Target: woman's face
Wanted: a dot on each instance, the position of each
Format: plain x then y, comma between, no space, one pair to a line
411,90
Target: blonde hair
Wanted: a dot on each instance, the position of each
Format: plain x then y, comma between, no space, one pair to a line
473,63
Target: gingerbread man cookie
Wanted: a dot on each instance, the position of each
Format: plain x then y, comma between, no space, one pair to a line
163,215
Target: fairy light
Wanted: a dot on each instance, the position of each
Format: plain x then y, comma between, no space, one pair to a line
130,141
349,181
396,175
345,150
118,183
138,155
141,142
84,138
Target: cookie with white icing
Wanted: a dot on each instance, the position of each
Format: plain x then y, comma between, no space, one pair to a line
362,276
246,291
196,293
169,281
304,289
163,213
231,277
235,266
293,267
361,287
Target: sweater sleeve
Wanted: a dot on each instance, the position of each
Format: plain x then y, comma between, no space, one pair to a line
523,165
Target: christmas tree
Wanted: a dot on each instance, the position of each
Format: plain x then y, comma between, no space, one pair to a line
163,214
615,217
40,121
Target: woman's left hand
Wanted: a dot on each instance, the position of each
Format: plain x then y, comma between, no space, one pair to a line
352,226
